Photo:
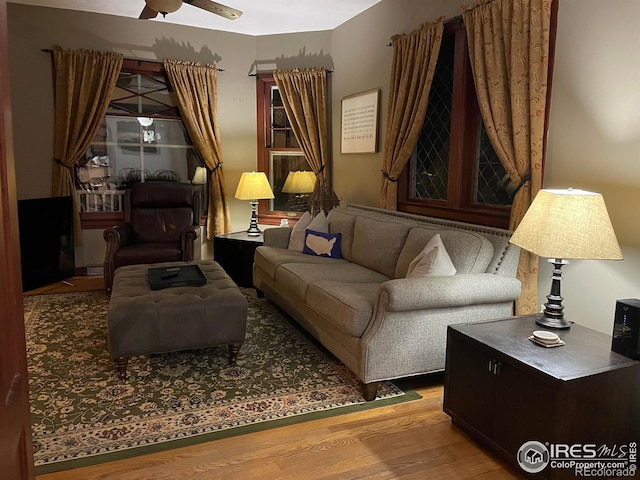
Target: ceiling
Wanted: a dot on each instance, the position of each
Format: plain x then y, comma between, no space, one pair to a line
260,17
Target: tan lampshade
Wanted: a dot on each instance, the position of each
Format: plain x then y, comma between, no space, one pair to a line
200,177
253,186
299,182
164,6
567,224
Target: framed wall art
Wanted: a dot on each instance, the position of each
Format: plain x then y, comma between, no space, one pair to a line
359,127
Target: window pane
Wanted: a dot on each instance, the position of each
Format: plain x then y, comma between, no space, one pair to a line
130,150
148,95
276,100
493,185
430,170
281,164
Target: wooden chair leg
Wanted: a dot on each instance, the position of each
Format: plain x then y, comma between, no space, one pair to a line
121,367
234,349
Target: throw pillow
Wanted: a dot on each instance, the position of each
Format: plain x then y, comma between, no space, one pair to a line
432,260
319,223
322,244
296,240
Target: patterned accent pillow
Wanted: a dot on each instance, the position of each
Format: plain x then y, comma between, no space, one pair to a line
322,244
432,260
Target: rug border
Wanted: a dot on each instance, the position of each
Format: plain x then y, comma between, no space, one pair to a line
407,396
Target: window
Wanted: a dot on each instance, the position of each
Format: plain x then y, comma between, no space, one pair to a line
454,172
142,138
278,155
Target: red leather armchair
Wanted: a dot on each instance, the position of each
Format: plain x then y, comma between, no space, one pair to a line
161,223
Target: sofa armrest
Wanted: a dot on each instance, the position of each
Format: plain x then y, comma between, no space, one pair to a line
187,240
277,237
406,294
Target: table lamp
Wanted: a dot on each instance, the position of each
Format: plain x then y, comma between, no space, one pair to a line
301,184
253,186
562,224
200,176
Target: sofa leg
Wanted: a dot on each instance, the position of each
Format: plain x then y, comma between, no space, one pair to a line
234,349
259,293
370,390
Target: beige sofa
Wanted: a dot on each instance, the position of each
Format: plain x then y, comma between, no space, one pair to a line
361,307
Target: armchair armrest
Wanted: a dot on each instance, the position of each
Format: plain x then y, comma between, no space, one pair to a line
277,236
406,294
187,239
117,237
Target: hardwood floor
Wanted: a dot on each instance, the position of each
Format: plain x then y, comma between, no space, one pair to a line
413,440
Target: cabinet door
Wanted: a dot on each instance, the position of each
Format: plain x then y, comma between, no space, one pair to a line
525,408
470,384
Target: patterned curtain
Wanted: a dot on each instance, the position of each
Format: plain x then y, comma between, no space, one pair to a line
509,52
304,96
196,87
414,62
83,83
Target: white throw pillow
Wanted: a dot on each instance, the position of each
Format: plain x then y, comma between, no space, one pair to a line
319,223
432,260
296,240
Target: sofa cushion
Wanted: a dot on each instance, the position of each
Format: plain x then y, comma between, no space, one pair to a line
322,244
296,240
295,278
432,260
348,306
469,252
268,259
377,244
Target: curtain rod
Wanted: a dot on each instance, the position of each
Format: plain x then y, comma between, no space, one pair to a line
459,17
49,51
267,71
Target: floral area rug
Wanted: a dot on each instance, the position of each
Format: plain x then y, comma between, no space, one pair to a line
82,414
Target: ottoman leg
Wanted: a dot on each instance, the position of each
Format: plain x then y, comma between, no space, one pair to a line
234,349
121,367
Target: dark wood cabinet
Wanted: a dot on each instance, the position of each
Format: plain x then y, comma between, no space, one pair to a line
234,252
504,390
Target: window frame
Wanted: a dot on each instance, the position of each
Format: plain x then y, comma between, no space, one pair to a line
460,204
264,83
100,220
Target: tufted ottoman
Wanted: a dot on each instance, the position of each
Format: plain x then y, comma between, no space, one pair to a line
141,321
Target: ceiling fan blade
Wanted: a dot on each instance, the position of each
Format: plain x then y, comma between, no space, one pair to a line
147,13
215,7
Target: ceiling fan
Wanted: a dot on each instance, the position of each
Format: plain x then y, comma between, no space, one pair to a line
152,8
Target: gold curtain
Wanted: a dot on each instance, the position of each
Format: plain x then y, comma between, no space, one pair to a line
509,52
84,81
196,88
414,62
304,96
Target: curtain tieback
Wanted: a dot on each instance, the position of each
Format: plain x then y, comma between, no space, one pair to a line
388,177
59,162
218,165
524,180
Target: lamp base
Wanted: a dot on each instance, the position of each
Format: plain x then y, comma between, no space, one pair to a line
553,314
557,323
253,230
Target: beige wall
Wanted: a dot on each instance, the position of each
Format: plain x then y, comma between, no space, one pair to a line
594,137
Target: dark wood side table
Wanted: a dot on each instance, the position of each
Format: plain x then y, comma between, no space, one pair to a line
504,390
234,252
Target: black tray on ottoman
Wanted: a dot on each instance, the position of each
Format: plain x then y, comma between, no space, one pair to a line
176,276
